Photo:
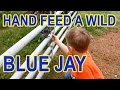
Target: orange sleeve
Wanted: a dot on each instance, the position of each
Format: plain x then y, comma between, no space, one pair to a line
86,74
69,53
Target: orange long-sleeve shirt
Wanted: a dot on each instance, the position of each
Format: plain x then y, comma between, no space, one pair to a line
90,69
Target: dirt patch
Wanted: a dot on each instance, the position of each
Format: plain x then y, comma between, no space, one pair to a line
105,51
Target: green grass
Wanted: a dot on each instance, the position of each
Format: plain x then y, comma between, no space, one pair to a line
9,36
97,31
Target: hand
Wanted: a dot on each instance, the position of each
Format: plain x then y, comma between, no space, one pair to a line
60,44
54,38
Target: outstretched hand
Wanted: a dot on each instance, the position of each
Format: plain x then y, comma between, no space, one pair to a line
60,44
54,38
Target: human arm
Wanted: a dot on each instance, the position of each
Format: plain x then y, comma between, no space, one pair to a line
60,44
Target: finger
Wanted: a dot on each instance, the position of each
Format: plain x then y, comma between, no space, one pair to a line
53,38
53,35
